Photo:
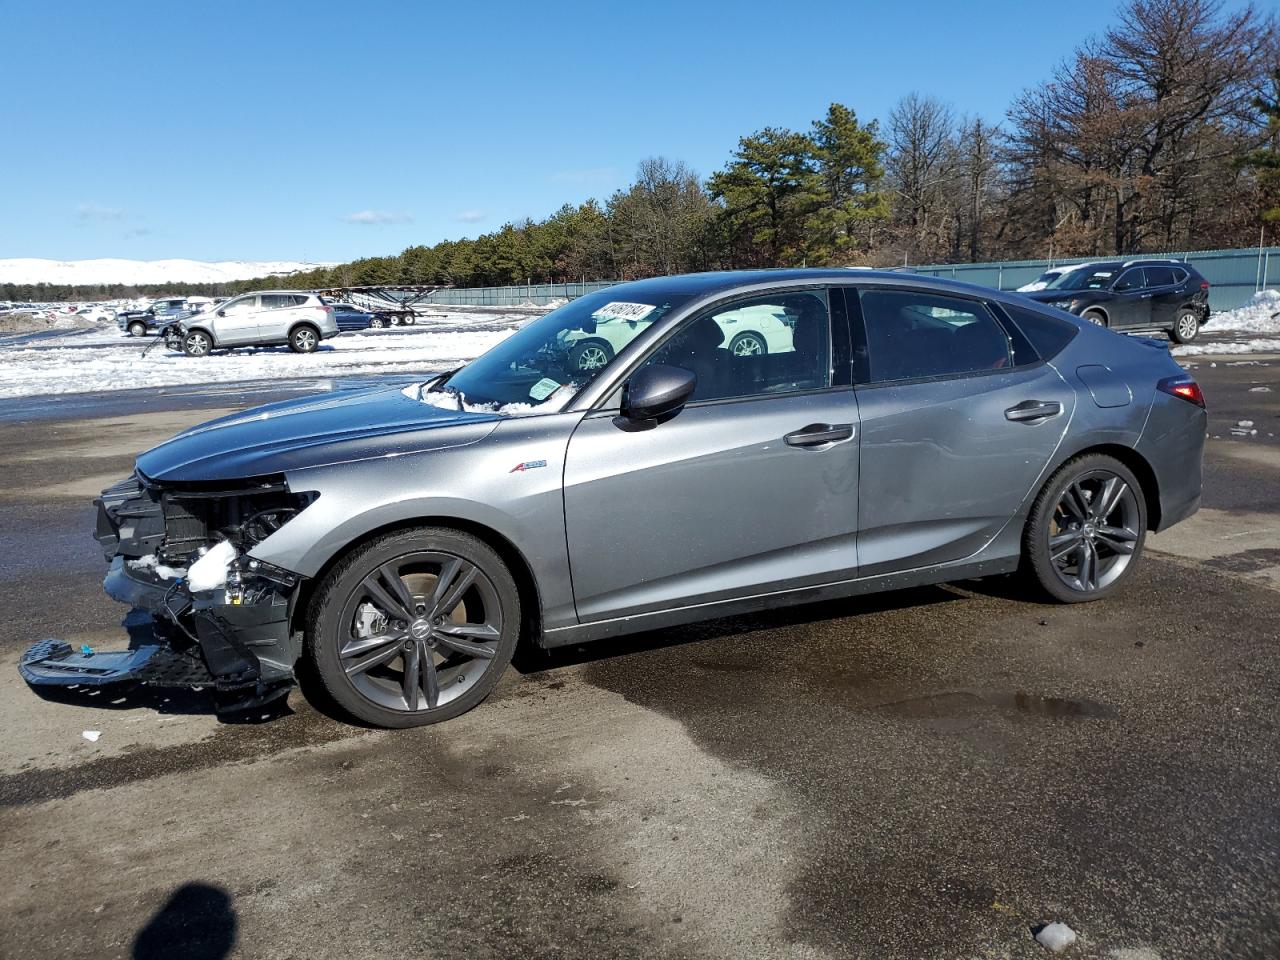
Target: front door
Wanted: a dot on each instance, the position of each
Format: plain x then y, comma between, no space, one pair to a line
957,428
1131,304
752,488
237,321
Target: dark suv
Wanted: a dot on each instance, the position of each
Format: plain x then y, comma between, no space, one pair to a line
1166,295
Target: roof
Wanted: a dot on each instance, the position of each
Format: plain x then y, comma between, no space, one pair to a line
708,284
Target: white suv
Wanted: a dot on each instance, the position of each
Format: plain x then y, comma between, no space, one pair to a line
267,318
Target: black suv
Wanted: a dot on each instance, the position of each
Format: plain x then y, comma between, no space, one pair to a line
1166,295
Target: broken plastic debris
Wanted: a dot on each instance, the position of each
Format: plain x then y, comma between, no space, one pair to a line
86,650
92,735
1056,936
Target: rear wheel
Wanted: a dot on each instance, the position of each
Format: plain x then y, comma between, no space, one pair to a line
748,345
590,355
304,339
1086,529
414,627
1186,326
197,344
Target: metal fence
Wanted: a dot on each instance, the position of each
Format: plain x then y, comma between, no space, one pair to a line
538,294
1234,275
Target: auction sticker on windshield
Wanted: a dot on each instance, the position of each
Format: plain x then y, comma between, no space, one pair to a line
543,389
619,310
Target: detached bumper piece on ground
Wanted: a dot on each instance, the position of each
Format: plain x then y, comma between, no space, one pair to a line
230,635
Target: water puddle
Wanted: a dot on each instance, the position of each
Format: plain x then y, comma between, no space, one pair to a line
961,704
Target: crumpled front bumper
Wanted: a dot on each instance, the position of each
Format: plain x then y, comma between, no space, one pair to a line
238,644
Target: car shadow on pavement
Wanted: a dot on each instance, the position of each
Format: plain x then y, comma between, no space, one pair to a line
176,701
197,922
531,659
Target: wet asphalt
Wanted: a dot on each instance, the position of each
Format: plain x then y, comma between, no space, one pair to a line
926,773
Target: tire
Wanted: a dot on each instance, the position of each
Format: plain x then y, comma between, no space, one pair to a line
304,338
1064,520
589,355
355,605
1186,326
377,323
409,320
137,329
197,343
748,345
1096,317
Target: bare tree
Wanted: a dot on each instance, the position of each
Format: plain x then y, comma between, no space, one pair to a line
920,163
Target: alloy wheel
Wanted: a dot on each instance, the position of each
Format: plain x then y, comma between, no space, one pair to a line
1187,326
419,631
196,344
592,357
304,340
1094,531
747,346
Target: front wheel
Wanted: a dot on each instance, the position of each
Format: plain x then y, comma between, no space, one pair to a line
590,355
414,627
196,344
377,323
1086,529
1096,317
137,329
1186,326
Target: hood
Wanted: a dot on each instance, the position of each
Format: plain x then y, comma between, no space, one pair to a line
312,432
1049,296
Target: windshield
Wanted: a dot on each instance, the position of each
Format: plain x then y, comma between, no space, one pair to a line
559,354
1084,278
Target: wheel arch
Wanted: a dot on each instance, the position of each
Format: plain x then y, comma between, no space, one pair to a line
1137,465
303,323
213,341
511,555
1097,308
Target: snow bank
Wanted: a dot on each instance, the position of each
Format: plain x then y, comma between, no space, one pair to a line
103,360
1256,345
1260,315
135,272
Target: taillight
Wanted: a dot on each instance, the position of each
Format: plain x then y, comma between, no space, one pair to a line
1204,284
1183,387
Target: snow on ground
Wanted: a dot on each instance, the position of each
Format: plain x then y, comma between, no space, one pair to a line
1260,315
103,359
134,272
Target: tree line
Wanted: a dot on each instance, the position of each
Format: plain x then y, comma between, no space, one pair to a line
1161,134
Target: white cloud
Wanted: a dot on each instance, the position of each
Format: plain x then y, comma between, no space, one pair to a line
471,216
377,217
96,211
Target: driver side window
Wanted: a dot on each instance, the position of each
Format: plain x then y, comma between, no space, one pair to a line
1131,280
774,344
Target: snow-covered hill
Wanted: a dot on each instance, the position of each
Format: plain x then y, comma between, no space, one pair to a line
80,272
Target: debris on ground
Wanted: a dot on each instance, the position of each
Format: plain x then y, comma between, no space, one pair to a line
92,735
1056,937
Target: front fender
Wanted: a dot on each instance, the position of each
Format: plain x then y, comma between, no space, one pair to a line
476,484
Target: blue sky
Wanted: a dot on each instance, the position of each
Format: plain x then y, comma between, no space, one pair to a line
328,131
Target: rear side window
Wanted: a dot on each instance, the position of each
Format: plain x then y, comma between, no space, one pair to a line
912,336
1160,276
1047,334
276,301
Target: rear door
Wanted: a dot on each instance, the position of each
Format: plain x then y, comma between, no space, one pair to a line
1131,304
279,313
959,421
752,488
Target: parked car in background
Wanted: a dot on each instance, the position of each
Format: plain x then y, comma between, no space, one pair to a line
751,331
1166,295
351,317
1050,275
153,318
401,542
268,318
96,314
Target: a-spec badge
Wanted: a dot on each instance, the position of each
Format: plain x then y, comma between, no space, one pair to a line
528,465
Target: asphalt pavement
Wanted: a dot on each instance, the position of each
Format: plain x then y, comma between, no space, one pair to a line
927,773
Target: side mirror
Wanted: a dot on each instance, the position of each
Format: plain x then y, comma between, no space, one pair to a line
222,313
657,391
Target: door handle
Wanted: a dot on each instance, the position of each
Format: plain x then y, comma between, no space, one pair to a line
1031,410
816,434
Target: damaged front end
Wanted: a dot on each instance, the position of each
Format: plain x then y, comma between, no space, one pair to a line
204,612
